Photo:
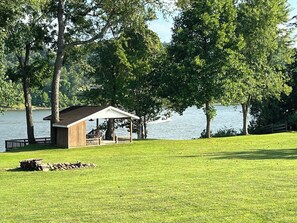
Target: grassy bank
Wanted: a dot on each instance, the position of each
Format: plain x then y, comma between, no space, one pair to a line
238,179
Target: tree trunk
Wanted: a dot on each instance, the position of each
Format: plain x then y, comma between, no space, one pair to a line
208,119
24,63
29,113
57,71
245,111
110,129
144,128
141,128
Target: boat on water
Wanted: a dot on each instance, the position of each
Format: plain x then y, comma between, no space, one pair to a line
161,120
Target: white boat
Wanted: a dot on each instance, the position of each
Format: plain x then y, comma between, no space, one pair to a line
161,120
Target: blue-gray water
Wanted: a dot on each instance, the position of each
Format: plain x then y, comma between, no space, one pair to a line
187,126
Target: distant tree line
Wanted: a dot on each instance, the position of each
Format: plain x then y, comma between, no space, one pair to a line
61,53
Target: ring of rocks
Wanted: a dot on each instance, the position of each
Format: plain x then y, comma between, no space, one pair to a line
37,165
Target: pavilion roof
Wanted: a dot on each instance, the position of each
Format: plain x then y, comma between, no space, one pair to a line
75,114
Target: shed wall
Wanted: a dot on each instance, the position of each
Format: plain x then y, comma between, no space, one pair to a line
77,135
62,137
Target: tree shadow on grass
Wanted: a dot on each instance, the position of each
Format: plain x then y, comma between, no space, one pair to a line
188,156
261,154
36,147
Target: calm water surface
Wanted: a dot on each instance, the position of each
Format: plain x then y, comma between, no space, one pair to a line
187,126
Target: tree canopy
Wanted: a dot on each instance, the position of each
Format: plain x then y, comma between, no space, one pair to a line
264,56
202,50
222,51
88,21
122,74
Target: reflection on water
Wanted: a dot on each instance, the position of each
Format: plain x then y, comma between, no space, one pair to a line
187,126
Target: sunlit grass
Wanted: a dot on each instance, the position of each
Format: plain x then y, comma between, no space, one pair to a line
237,179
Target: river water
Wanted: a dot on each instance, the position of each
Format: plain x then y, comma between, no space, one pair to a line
187,126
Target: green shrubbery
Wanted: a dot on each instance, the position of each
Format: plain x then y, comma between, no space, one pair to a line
223,132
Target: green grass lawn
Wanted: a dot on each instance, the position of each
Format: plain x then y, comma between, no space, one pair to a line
238,179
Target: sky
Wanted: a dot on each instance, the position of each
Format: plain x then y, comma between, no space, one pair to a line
163,26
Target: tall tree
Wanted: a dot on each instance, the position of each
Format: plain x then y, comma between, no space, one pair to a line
25,42
265,53
123,75
144,50
201,50
89,21
111,70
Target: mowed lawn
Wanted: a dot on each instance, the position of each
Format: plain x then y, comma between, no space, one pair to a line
238,179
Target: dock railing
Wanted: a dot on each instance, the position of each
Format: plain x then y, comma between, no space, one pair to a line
16,143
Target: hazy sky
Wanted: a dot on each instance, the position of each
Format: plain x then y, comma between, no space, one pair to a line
163,27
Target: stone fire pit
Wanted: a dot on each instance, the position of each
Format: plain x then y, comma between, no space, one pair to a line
37,165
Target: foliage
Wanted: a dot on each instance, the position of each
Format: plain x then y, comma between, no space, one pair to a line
111,70
90,21
9,94
264,55
73,81
25,45
123,74
234,179
203,134
144,51
272,110
201,52
224,132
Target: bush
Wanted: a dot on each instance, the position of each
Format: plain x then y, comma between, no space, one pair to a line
225,132
292,121
203,134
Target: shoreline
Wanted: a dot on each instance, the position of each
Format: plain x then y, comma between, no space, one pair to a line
23,109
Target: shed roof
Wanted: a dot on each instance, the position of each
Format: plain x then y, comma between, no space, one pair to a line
75,114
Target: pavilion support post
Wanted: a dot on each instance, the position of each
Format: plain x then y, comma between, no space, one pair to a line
131,129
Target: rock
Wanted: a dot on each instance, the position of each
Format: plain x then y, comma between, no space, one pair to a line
30,164
44,167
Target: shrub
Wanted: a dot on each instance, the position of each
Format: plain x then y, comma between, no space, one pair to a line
225,132
203,134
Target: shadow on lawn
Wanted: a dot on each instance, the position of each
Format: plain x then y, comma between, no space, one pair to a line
17,169
188,156
260,154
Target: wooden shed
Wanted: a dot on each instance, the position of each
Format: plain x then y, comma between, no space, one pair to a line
71,129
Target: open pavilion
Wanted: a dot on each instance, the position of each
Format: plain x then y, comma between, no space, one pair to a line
71,129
